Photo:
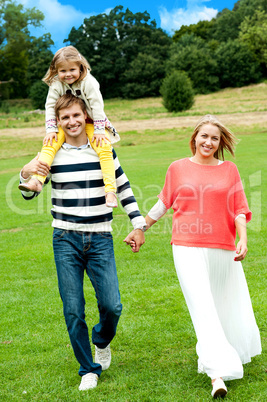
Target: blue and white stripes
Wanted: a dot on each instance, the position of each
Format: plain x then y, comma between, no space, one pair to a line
78,195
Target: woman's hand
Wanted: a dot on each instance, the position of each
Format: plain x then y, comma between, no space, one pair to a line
49,138
241,250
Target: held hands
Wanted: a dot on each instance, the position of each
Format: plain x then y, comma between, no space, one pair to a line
241,250
99,138
135,239
35,167
49,139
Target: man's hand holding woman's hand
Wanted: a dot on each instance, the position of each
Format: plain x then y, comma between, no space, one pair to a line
135,239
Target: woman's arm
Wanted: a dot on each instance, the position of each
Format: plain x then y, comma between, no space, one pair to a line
149,222
95,104
156,212
241,248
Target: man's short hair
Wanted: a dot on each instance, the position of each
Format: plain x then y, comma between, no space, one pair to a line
67,100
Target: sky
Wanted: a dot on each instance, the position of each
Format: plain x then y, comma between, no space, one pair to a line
170,15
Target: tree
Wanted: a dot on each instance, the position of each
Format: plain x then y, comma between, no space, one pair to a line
253,32
227,23
237,65
226,26
15,43
177,92
203,29
111,42
248,7
40,57
38,93
212,53
193,55
144,77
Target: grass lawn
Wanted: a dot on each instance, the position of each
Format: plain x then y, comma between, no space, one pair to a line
154,357
230,100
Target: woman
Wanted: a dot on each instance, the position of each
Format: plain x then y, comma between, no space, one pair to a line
209,206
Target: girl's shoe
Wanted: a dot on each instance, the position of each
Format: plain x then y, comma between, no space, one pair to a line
33,185
218,388
111,200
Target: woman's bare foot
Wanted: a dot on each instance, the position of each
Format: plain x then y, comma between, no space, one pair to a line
111,200
33,185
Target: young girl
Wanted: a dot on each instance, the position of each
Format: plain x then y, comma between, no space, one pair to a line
69,72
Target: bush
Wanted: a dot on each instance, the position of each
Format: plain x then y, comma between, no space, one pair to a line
38,94
5,107
237,65
177,92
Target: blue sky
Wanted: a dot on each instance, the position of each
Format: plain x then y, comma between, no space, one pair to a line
62,15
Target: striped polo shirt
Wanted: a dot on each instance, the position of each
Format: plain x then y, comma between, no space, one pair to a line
78,194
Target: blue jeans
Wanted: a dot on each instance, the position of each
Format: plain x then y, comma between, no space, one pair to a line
76,252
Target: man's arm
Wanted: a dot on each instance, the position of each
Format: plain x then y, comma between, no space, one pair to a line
128,201
33,167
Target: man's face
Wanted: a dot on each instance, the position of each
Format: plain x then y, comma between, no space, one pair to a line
72,121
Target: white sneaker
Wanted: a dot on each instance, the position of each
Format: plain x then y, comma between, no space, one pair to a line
89,381
218,388
103,357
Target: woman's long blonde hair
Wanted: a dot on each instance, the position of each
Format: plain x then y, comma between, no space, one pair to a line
66,54
227,141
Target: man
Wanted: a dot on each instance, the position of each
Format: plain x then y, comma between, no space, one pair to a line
82,240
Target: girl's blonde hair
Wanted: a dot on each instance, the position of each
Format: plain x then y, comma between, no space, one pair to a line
66,54
227,141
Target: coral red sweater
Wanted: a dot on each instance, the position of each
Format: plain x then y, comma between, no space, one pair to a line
205,200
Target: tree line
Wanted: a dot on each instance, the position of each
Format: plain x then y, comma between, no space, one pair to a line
130,56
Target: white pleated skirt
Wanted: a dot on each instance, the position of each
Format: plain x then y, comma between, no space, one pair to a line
217,296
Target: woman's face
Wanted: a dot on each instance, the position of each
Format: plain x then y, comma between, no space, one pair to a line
207,141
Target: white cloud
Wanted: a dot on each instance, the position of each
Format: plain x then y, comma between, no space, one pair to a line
58,16
59,19
193,13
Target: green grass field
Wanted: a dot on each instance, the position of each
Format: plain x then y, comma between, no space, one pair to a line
154,357
230,100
